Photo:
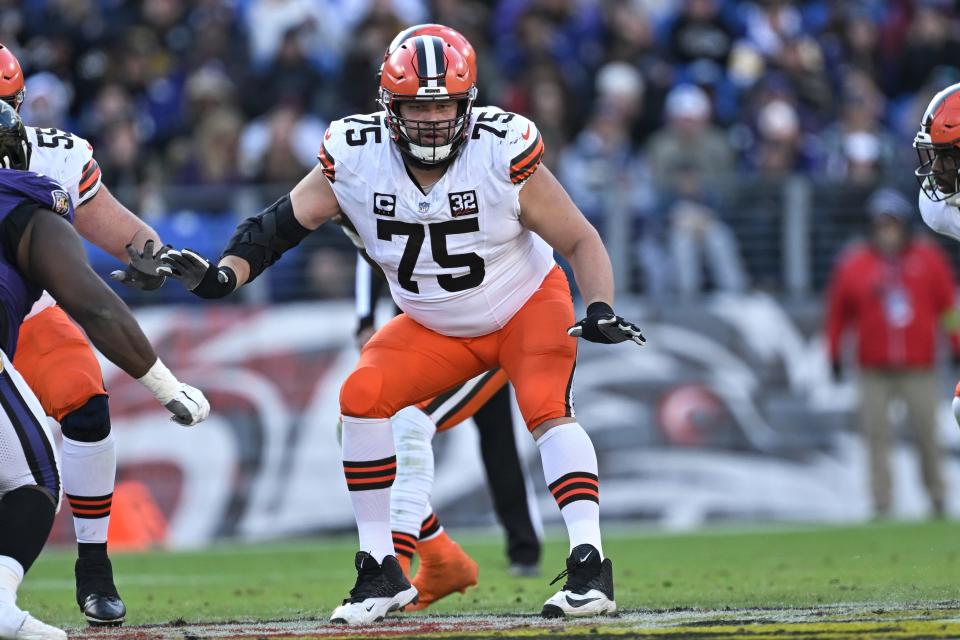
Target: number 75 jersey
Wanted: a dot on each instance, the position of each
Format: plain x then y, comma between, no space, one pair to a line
456,257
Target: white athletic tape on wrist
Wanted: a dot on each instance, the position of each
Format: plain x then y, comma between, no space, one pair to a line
161,382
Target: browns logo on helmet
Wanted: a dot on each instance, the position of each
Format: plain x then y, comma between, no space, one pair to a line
11,78
426,69
938,145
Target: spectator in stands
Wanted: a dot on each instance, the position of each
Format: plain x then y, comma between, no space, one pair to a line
281,147
689,138
210,156
857,146
778,150
699,33
801,60
770,24
931,41
46,101
269,22
696,233
895,291
289,75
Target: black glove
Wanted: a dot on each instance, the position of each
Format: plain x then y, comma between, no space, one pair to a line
955,360
198,274
604,326
141,271
836,370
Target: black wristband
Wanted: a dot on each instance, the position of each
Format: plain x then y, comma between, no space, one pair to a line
211,287
600,308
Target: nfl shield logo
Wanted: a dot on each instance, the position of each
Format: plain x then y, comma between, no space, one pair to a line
424,207
61,202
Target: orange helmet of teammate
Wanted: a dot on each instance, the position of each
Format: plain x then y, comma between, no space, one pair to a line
11,78
938,145
450,36
425,69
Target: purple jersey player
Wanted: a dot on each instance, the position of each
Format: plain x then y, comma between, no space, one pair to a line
39,250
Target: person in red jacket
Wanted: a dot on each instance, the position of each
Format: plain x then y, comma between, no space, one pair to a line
895,291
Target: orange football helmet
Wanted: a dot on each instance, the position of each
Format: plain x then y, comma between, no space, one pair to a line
427,69
938,145
449,35
11,78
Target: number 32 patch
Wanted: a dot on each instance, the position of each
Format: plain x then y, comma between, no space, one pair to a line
464,203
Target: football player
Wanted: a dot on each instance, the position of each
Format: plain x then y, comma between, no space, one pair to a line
42,252
58,363
454,205
444,567
938,148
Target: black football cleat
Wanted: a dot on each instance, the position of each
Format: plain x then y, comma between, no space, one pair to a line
380,589
97,594
589,587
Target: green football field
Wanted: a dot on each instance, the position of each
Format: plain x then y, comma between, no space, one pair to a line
886,580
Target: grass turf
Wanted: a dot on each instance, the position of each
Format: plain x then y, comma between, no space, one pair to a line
892,565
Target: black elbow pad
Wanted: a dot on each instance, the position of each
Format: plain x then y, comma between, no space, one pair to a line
262,239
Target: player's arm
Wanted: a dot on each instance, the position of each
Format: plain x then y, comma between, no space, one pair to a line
547,210
259,241
50,254
105,222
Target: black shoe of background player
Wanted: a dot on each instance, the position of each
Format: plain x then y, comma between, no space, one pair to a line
588,590
96,593
380,589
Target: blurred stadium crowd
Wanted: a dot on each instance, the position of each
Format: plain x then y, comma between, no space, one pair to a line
667,104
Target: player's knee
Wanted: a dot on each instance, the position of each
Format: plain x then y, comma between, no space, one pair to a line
89,423
361,394
545,412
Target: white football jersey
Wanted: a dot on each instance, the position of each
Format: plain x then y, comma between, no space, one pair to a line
940,216
67,159
457,259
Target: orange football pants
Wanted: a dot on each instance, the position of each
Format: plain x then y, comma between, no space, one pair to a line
56,360
405,363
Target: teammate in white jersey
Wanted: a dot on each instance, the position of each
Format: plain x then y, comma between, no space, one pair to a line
938,148
59,365
455,207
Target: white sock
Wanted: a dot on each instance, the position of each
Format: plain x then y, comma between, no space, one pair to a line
89,474
11,575
413,433
570,469
370,466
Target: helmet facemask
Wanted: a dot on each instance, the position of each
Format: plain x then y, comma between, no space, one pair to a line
15,100
428,142
939,169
